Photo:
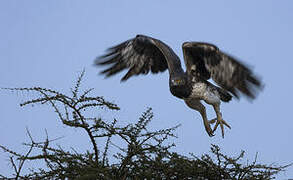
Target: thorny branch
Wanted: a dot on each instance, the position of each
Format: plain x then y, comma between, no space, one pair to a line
140,153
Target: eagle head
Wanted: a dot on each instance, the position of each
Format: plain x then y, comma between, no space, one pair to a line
179,86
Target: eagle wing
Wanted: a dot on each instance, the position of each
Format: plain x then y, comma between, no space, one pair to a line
207,61
140,55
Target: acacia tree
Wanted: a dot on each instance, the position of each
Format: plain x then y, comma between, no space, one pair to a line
145,154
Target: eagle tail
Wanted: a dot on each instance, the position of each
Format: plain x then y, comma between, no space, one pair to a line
224,95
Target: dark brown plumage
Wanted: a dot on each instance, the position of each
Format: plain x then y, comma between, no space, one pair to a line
139,54
203,61
224,69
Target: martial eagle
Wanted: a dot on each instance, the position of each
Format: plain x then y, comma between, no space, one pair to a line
203,61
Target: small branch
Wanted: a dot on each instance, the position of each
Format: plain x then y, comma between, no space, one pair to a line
25,156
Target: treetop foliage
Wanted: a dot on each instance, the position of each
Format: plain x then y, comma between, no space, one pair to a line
144,154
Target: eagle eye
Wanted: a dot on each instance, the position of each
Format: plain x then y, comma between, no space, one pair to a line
178,81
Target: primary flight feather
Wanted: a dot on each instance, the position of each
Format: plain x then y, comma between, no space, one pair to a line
203,61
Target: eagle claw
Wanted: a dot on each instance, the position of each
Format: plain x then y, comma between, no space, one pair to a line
210,132
221,122
208,127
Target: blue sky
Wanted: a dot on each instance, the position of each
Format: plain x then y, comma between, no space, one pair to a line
48,43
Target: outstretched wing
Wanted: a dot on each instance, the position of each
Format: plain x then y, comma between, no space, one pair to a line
207,61
140,55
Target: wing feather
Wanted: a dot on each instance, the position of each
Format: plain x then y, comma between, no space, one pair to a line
207,61
140,55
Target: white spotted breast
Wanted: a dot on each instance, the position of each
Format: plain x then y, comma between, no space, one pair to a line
198,90
204,91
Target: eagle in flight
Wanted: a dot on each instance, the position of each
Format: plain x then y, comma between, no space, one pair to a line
202,60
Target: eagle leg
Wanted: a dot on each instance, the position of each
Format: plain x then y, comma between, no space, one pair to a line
196,105
220,121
